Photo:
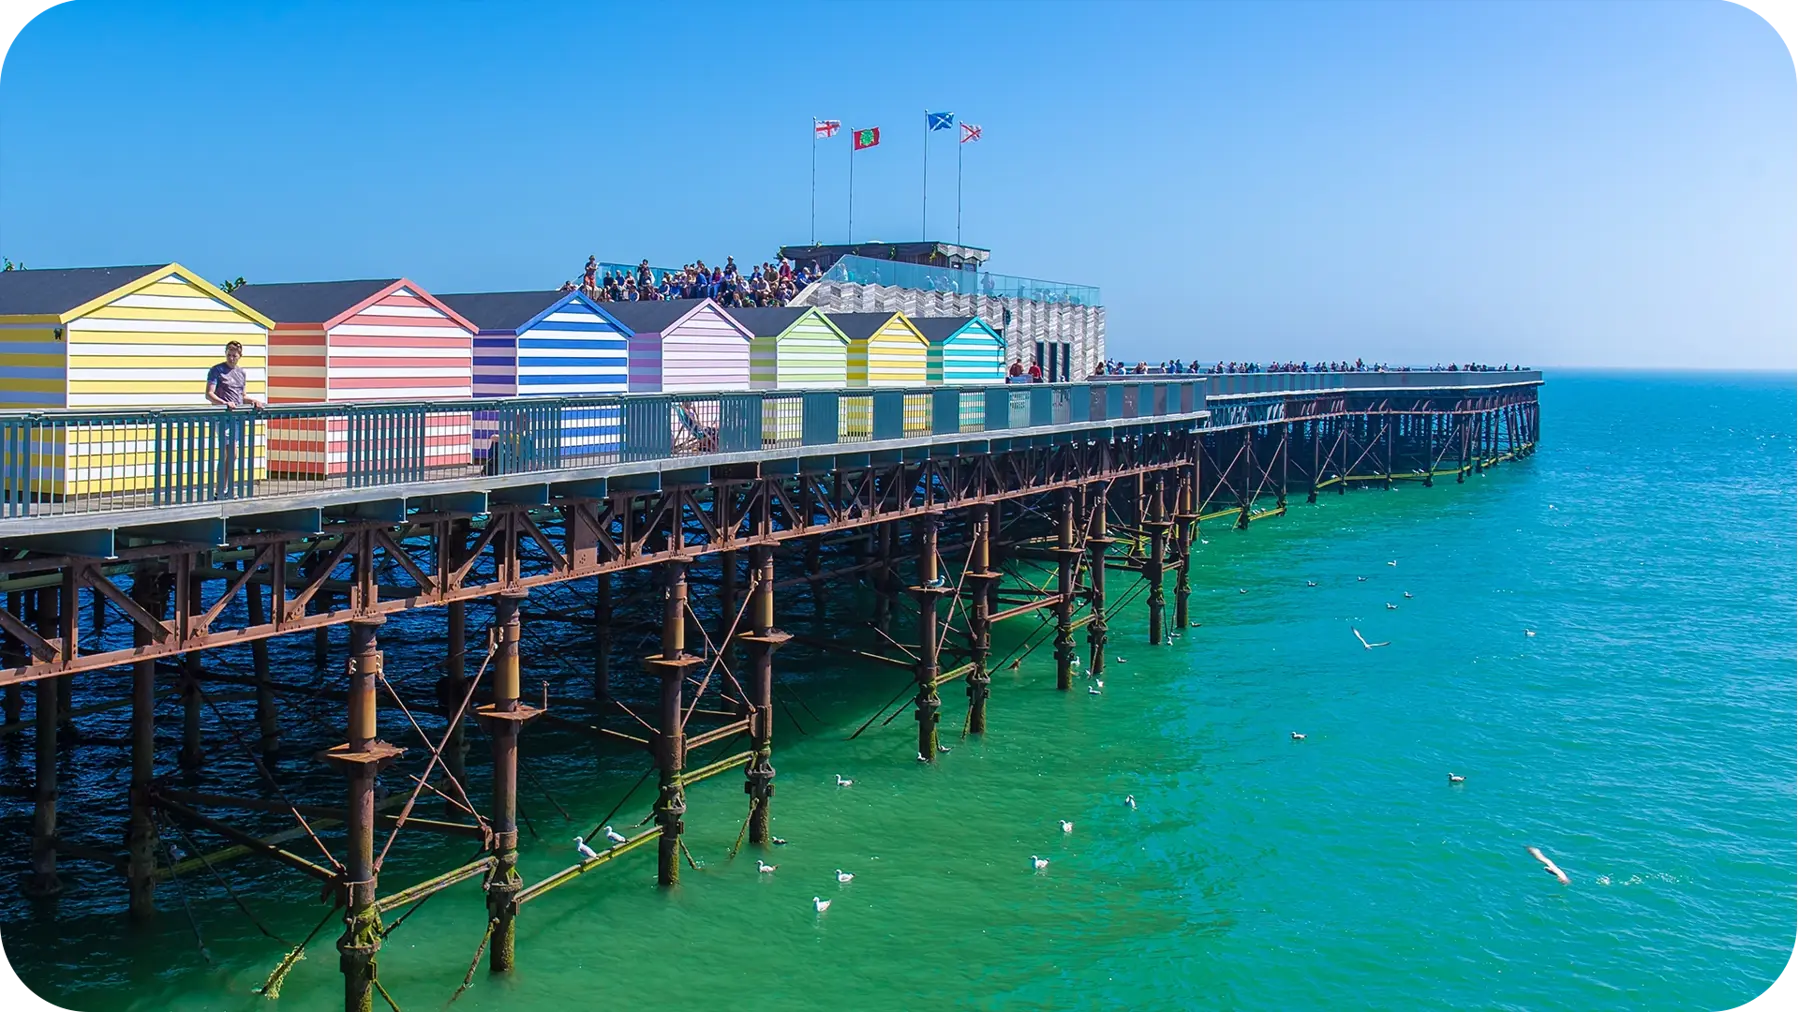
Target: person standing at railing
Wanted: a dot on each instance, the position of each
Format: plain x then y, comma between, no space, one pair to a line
225,384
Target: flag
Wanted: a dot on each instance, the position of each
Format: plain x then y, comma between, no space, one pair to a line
825,127
867,138
970,132
940,120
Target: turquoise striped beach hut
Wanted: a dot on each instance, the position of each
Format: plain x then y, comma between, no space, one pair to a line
964,350
546,344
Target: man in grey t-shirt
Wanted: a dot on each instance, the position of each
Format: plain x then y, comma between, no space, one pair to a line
225,387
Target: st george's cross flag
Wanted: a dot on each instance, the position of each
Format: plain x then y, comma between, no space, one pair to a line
866,138
970,132
826,127
939,120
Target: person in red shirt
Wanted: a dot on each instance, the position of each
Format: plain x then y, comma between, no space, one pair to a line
1036,373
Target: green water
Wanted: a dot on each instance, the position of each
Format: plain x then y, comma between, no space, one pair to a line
1644,738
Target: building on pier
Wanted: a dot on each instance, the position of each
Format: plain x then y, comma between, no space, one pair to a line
794,346
684,345
119,337
546,344
886,350
356,341
964,350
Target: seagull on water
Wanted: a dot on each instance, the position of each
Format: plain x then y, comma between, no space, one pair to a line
1361,579
585,851
1092,690
1408,595
1131,801
1297,736
922,759
1203,541
820,905
1549,866
1392,607
1530,632
1119,659
764,868
1240,590
1311,583
842,782
1100,682
612,834
844,876
1393,562
1456,778
777,841
1367,645
942,747
1067,827
1039,863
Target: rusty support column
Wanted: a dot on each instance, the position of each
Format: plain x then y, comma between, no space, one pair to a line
1286,440
979,579
455,686
1430,448
602,637
140,828
1387,423
927,705
268,725
761,640
12,701
815,571
192,754
1246,499
1098,546
1461,467
43,881
1066,554
881,576
1317,441
1158,555
360,758
671,736
502,720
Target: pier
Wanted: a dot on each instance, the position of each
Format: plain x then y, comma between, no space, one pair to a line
137,541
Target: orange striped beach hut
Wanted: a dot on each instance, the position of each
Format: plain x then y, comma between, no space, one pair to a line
362,341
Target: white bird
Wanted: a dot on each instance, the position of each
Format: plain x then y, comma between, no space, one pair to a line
1131,800
1194,624
1092,690
1408,595
777,841
764,868
1456,778
820,905
942,747
922,759
1074,662
1367,645
1530,632
1548,865
933,583
1297,736
612,834
1393,562
584,849
1552,505
1361,579
1311,583
1240,590
1039,863
842,782
1100,682
1067,827
1392,607
844,876
1203,541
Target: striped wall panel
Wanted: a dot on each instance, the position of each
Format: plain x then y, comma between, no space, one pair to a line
153,348
807,354
32,367
400,348
893,357
572,352
967,357
319,447
89,460
706,351
297,362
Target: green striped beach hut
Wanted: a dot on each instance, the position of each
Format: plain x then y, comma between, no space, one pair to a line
794,346
964,350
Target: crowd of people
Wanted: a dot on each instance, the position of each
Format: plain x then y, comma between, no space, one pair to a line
768,284
1175,367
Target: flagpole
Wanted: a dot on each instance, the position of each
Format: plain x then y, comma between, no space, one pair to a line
959,193
852,239
815,180
924,199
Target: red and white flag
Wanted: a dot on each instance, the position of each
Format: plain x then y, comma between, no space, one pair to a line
826,127
970,132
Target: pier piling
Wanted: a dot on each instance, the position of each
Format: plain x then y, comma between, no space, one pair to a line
927,705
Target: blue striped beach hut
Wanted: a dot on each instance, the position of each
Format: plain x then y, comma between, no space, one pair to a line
964,350
547,344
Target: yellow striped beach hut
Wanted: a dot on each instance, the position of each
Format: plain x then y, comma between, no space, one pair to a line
886,350
117,337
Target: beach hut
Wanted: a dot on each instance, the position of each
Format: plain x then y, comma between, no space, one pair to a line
364,341
120,337
682,345
793,347
886,350
545,344
964,350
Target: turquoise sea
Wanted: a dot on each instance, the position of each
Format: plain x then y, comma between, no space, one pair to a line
1643,738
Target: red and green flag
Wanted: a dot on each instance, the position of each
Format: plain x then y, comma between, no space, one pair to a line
867,138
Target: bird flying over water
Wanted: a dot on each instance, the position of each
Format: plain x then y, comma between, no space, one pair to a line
584,850
1067,827
1039,863
1549,866
1367,645
612,834
820,905
842,782
844,876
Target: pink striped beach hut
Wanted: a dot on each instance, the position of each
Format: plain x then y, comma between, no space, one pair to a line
683,345
362,341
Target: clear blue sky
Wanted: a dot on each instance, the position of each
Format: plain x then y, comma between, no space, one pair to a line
1558,183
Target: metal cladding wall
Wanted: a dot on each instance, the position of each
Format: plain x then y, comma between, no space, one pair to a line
810,353
1022,322
973,354
148,343
704,350
896,355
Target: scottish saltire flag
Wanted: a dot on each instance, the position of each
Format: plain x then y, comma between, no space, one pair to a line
825,127
940,120
866,138
970,132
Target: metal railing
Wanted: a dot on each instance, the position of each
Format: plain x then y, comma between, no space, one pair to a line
68,462
1250,383
869,271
